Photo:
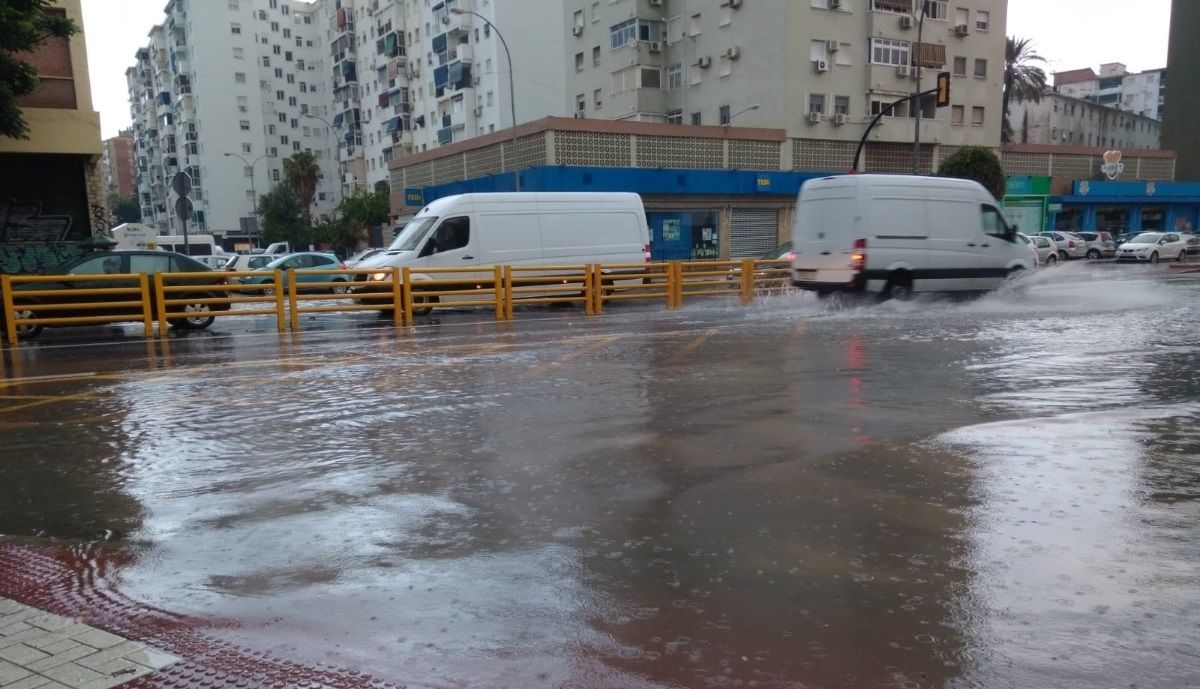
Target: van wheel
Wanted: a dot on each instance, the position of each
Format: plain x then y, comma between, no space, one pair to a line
425,303
899,287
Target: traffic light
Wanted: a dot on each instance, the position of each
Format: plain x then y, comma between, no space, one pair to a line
943,89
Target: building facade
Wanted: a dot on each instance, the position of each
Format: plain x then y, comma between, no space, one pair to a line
1183,90
226,93
116,165
1141,93
1069,121
53,200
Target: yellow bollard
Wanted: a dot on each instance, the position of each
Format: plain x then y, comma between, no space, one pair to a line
748,281
397,299
674,285
10,325
408,296
280,316
499,293
293,307
598,288
508,293
589,295
147,312
161,296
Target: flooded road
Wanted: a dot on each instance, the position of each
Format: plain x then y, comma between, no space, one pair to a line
1002,492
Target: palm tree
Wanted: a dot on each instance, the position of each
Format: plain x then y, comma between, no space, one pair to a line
1022,79
301,174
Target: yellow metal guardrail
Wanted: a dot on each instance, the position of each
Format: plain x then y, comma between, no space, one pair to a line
402,292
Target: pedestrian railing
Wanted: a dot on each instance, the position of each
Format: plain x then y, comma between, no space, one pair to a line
401,293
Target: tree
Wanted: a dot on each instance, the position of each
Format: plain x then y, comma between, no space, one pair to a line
283,217
1022,79
978,164
124,209
355,215
24,25
301,174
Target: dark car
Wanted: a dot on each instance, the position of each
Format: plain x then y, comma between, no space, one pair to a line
119,263
781,252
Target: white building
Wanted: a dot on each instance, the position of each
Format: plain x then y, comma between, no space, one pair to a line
223,80
1068,121
1143,93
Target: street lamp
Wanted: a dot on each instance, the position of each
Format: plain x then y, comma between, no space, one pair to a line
337,153
253,191
512,88
743,111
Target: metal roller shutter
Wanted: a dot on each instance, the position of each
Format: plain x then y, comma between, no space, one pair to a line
752,232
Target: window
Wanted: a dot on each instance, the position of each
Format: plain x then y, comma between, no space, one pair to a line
724,16
623,34
595,11
983,20
98,266
577,19
675,78
981,68
818,51
816,103
697,119
598,98
245,125
674,117
578,62
957,114
845,55
977,115
247,148
624,80
878,106
651,78
962,16
142,263
895,6
993,222
723,115
239,54
453,233
960,66
274,175
239,77
596,56
235,29
888,52
694,25
936,9
580,103
841,105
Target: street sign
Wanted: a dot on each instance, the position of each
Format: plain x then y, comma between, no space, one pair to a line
943,89
184,208
181,184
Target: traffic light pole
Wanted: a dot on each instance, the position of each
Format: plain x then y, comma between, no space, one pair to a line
882,113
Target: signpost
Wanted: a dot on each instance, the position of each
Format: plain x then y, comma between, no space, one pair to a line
181,184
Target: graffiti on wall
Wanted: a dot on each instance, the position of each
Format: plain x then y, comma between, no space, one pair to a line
45,211
22,220
33,257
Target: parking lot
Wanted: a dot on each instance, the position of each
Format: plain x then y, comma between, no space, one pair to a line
989,492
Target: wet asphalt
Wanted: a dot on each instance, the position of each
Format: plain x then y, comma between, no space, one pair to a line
940,493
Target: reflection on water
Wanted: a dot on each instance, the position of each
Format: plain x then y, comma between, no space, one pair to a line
936,493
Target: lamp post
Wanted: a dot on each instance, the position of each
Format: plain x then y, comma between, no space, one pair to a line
512,88
253,191
341,193
743,111
916,156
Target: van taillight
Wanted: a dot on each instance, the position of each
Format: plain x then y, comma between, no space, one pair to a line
858,259
647,250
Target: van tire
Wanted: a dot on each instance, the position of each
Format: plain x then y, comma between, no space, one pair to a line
899,286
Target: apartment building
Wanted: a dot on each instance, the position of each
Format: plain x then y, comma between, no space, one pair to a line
1143,93
819,68
116,165
226,92
1064,120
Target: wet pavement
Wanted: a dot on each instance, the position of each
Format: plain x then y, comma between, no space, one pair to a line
997,492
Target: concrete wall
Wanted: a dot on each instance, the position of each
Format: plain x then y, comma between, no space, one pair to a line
1183,89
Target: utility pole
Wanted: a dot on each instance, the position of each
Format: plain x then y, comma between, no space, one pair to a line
916,156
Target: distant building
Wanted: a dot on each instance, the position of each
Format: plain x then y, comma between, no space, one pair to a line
1064,120
116,165
1181,133
1142,93
53,196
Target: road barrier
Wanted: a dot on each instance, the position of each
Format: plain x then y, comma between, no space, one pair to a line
403,293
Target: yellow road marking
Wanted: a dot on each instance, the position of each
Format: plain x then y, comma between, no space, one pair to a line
52,400
595,346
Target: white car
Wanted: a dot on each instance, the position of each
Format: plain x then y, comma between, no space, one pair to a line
245,262
1153,247
1047,250
1027,241
1069,245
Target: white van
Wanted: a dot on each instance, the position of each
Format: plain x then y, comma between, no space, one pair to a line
535,229
896,235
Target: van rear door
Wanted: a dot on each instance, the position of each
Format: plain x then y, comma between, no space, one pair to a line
823,234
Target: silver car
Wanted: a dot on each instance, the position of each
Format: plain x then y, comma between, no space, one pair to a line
1045,248
1070,246
1099,244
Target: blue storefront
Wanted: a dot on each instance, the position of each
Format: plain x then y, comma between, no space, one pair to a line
1124,207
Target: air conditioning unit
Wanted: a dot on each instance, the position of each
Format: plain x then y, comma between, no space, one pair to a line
906,21
831,45
903,71
478,110
821,66
835,4
734,4
962,30
656,3
733,53
839,119
577,30
814,117
704,62
655,47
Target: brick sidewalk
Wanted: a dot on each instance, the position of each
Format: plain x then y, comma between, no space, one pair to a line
60,630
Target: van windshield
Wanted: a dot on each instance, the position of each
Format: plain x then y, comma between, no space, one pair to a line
413,234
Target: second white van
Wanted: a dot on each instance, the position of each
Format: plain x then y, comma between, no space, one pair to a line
896,235
532,229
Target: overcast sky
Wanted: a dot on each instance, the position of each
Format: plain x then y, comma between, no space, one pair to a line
1069,33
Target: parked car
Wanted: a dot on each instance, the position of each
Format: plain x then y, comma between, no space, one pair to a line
1153,247
781,252
895,235
1099,244
119,263
244,262
1033,250
307,260
1047,250
1122,238
362,256
1070,246
213,262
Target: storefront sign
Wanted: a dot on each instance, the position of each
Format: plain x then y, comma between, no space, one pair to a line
1112,167
414,197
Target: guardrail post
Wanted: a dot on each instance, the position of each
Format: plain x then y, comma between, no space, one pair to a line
147,312
598,289
293,306
161,296
748,281
397,298
280,315
406,286
499,292
674,285
508,293
10,313
589,294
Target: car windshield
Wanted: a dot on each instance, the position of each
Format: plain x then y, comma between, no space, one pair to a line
277,263
1146,238
413,233
779,251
